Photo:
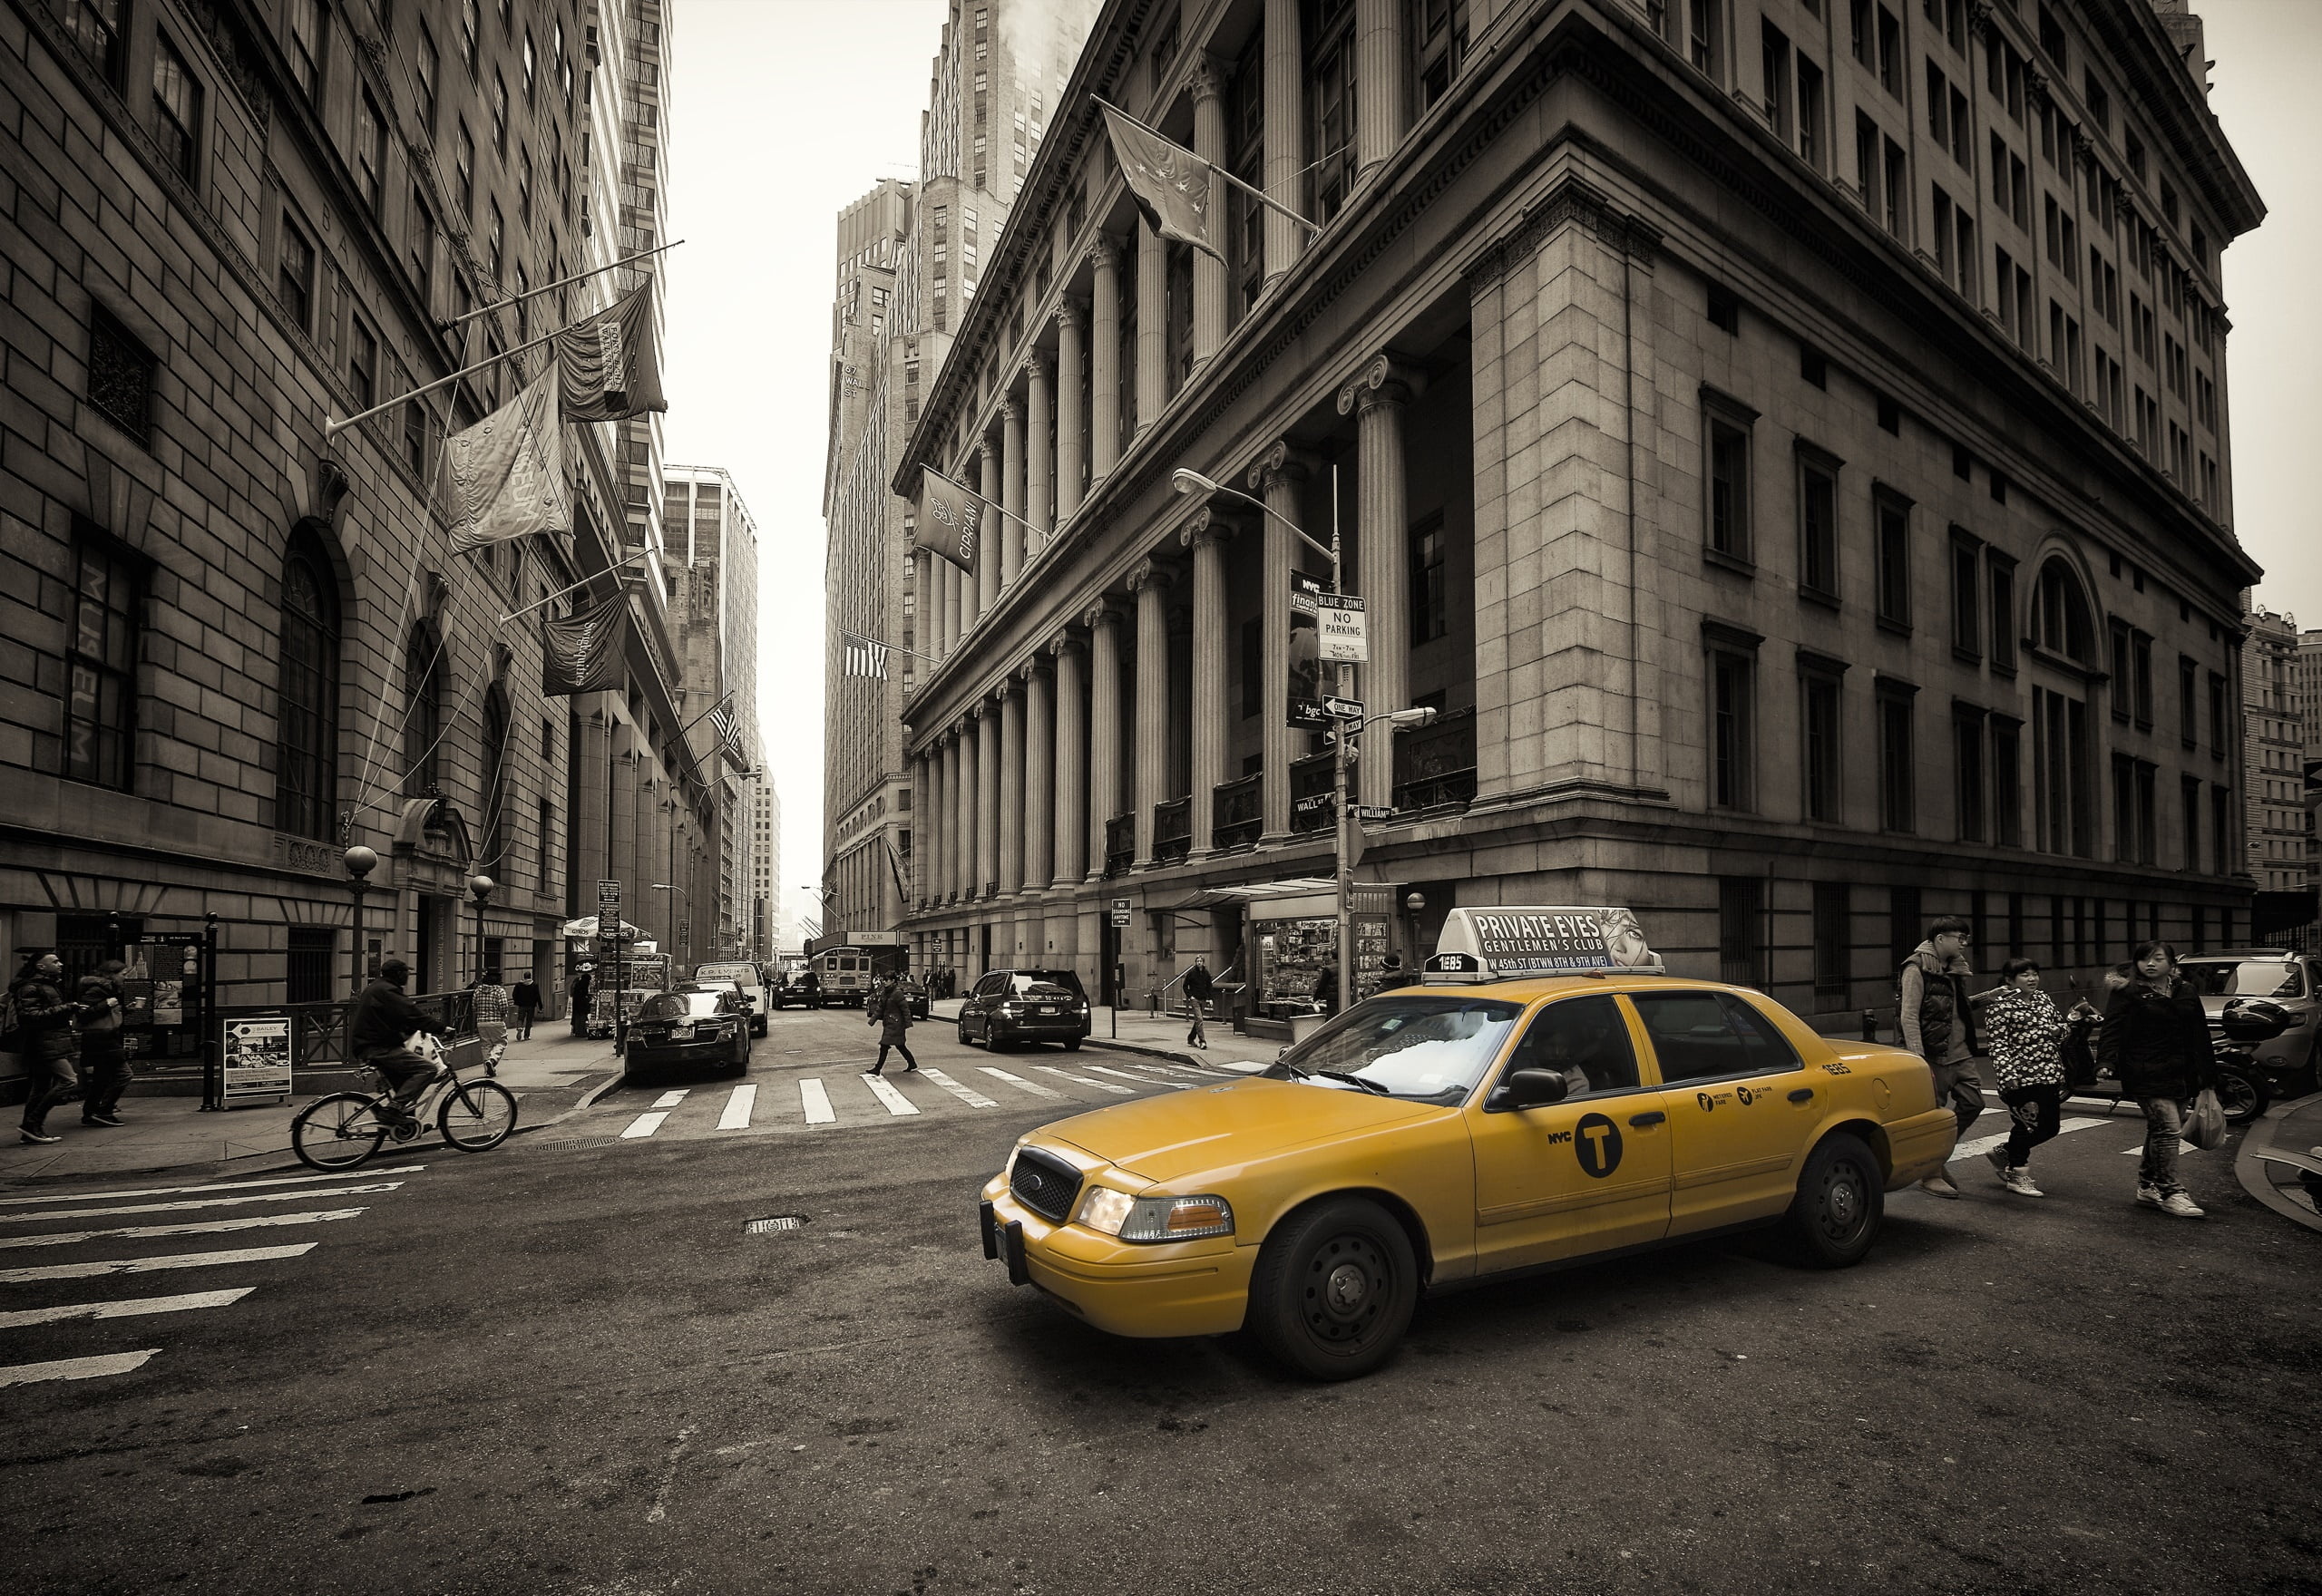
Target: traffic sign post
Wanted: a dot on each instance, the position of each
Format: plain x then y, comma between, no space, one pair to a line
1345,634
1343,708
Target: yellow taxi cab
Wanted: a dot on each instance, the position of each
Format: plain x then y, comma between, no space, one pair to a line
1548,1096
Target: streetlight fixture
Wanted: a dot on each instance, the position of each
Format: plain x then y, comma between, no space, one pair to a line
359,861
480,888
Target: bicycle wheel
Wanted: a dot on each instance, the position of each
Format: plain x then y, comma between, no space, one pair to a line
477,1116
338,1132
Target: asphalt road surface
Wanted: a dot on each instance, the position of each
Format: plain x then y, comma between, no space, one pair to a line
567,1366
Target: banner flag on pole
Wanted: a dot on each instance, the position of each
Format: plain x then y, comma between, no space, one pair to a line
1168,182
504,476
950,521
584,650
730,737
610,365
865,657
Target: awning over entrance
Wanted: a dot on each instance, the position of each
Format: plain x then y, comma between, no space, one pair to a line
1297,897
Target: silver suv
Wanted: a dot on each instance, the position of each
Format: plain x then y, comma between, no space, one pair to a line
2290,979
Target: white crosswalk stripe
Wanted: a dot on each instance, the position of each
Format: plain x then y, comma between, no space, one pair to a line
75,1369
372,1175
738,1104
671,1099
886,1092
25,1219
1975,1146
1019,1082
815,1100
967,1095
206,1228
644,1124
130,1308
143,1266
1142,1080
1084,1080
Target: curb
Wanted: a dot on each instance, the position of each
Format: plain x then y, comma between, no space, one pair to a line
2250,1170
1141,1049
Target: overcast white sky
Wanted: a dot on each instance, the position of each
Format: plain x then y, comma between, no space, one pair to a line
783,111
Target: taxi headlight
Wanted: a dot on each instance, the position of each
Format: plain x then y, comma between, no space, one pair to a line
1154,1218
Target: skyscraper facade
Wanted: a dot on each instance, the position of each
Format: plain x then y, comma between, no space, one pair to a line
2274,738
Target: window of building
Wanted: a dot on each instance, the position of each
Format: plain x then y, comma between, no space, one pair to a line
1822,750
531,70
1892,556
2217,715
500,113
1705,39
1741,930
1866,164
1329,30
1818,524
2061,617
176,121
2063,783
1833,936
416,429
1429,596
100,736
463,170
2001,584
308,28
95,26
294,278
307,967
423,718
1727,422
1810,114
306,725
428,65
471,32
120,376
494,752
362,364
2222,840
1966,595
1733,707
423,247
2140,678
2006,780
1968,787
1897,758
370,151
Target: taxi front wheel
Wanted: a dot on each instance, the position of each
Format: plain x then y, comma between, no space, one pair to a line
1841,1197
1334,1289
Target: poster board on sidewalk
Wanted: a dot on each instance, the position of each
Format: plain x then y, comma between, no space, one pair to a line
255,1051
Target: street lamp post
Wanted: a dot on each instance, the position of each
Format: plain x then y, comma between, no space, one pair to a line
687,899
360,861
480,888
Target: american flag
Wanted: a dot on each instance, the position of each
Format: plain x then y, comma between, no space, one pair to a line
730,737
867,658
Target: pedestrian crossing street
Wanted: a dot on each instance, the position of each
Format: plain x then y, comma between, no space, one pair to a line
51,1290
842,1100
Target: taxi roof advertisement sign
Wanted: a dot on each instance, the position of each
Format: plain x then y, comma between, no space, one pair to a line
1528,940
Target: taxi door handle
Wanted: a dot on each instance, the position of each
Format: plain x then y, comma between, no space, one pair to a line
1803,1095
1641,1120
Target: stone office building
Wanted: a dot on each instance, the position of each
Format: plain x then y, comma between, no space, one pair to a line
231,643
1787,443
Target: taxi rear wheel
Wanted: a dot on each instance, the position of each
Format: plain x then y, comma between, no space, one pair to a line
1334,1289
1841,1199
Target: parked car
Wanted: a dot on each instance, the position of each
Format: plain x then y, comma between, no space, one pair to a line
1434,1136
797,988
695,1026
1012,1006
2288,1061
915,994
744,975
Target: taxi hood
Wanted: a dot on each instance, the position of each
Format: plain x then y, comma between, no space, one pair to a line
1182,1135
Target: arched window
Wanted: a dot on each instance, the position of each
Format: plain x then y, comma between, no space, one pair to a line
423,710
2060,615
305,781
494,847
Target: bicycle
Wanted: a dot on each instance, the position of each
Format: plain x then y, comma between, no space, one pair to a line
341,1131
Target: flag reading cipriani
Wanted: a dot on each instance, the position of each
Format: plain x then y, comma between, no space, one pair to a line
504,476
949,517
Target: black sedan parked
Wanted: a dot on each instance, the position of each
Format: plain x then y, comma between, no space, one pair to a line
706,1026
1010,1007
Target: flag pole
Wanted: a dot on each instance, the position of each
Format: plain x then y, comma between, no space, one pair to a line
1260,195
575,588
548,288
706,713
896,648
331,429
977,494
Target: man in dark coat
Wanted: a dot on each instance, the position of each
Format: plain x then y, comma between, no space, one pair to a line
2156,1039
1199,990
891,1012
46,1041
383,1019
104,1057
582,982
528,1003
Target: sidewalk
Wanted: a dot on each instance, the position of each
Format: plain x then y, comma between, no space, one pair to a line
2295,1126
550,1074
1135,1030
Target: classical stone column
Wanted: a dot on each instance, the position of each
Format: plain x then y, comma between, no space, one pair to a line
964,804
1150,582
1152,327
987,763
1286,139
1071,861
947,578
922,846
1206,534
1104,623
1040,778
1041,456
1009,816
1012,550
1071,417
1377,399
1378,76
1277,478
1104,360
1207,83
992,566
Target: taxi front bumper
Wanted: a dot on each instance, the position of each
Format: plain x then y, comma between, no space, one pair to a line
1129,1288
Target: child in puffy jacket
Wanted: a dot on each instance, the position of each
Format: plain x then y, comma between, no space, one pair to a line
2027,1034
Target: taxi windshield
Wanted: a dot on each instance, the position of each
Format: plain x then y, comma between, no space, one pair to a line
1423,1047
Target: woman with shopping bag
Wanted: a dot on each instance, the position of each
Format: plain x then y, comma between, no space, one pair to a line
2156,1039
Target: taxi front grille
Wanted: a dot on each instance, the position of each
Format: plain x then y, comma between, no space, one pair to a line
1044,1183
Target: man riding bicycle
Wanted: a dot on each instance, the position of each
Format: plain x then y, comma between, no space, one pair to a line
384,1018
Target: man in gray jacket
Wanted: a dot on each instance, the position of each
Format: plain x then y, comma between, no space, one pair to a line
1937,1017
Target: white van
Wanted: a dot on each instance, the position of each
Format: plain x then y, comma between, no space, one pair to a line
745,975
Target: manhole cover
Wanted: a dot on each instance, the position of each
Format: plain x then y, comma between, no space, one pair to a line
780,1221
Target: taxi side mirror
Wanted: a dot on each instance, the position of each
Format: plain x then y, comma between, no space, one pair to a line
1528,1088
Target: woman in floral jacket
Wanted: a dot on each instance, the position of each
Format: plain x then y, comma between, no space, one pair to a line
2027,1036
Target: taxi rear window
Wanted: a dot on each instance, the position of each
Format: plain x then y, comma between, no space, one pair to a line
1700,1035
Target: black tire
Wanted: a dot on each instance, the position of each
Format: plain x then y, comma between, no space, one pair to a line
337,1133
477,1116
1841,1203
963,1034
1334,1290
2242,1097
1073,1045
